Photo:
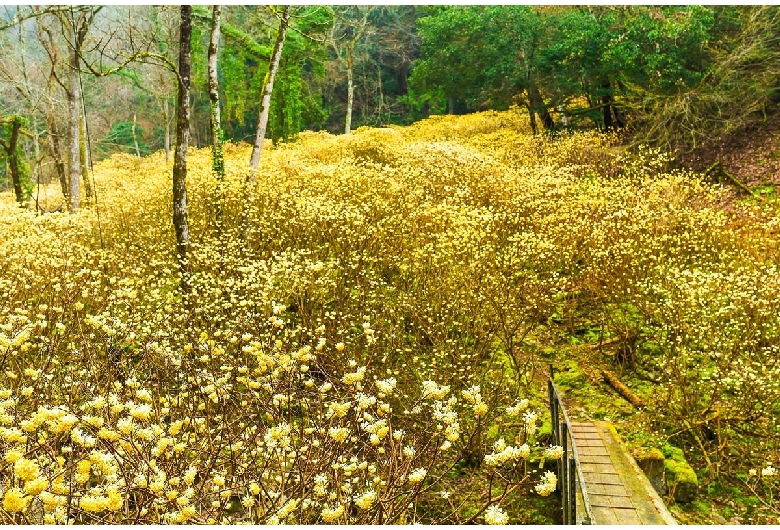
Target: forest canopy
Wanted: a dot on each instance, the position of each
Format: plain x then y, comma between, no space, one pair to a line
679,77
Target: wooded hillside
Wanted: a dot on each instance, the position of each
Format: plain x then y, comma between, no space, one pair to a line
90,81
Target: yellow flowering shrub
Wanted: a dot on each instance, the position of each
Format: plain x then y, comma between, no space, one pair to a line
361,328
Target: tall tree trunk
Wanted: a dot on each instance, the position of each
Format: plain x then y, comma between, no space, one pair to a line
606,109
217,158
216,125
12,156
135,136
37,167
538,106
167,119
84,155
609,110
350,89
182,141
74,119
59,163
268,87
532,120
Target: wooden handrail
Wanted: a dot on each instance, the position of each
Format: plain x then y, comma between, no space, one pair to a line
569,469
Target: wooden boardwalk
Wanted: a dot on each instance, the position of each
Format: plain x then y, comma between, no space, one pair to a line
618,491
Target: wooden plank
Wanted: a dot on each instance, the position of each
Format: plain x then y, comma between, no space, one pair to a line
588,443
602,478
603,515
616,490
591,451
594,459
583,427
610,501
585,435
627,516
600,467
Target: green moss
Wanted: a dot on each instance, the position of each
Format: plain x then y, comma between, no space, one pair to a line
569,375
546,428
702,506
681,480
673,453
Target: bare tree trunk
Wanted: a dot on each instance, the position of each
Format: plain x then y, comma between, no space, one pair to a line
74,119
268,87
135,137
84,155
537,106
217,158
350,90
212,70
54,140
37,154
216,125
167,119
180,223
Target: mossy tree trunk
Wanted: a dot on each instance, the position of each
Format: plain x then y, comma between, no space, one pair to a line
217,158
180,222
10,146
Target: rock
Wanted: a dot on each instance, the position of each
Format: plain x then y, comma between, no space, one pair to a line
681,480
651,461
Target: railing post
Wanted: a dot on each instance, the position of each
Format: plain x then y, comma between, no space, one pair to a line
562,472
572,490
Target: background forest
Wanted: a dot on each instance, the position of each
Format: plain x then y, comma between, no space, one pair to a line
679,77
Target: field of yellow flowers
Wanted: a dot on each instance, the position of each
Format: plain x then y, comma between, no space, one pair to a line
362,331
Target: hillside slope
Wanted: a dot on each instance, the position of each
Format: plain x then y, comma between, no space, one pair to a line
370,283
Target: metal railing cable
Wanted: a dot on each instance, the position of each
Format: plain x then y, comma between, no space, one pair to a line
570,475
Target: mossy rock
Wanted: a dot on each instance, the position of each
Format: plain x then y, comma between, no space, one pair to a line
673,453
681,479
651,461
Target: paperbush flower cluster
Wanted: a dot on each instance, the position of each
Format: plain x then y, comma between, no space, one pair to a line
361,330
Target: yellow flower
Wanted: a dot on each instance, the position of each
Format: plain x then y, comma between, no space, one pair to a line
108,434
84,467
339,434
15,500
189,475
495,515
12,455
115,501
141,412
26,469
90,503
417,475
366,500
331,514
35,486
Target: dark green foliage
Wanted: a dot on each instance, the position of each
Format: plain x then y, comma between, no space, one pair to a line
120,140
679,76
13,157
